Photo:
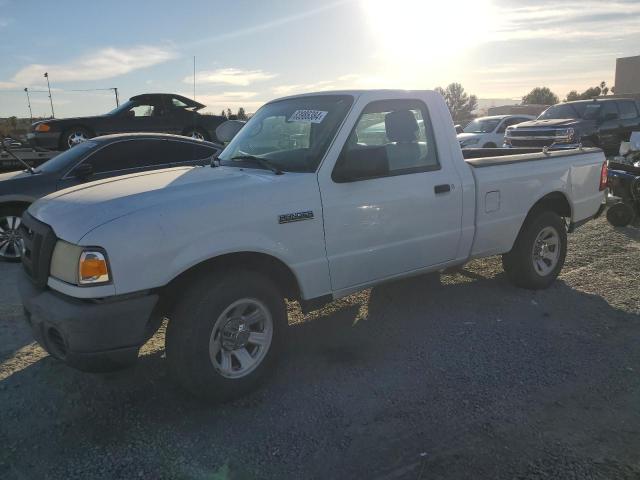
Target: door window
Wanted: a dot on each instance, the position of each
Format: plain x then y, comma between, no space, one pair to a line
128,155
189,152
627,110
392,137
609,111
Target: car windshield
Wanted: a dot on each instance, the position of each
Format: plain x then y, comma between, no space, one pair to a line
292,135
125,106
480,125
564,110
66,159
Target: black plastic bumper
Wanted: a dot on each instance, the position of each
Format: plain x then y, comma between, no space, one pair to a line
48,140
89,335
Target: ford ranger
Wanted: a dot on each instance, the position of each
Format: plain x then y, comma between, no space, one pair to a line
300,205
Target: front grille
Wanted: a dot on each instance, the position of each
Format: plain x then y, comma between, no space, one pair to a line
39,241
530,143
517,132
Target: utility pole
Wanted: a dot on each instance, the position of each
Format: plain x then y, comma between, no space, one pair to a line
26,90
194,78
115,90
46,75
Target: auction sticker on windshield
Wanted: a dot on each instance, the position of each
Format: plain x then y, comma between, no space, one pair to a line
313,116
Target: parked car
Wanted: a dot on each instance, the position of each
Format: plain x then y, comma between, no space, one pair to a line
217,250
488,132
96,159
600,122
149,112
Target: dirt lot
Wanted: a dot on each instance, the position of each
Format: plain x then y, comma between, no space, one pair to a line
458,375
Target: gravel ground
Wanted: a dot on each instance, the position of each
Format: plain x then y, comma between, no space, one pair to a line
457,375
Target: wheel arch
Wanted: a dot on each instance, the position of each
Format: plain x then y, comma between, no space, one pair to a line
15,203
264,263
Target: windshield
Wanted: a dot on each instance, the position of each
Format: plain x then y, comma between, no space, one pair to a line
125,106
480,125
66,159
564,110
291,134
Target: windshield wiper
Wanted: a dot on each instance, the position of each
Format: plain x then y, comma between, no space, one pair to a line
29,167
263,162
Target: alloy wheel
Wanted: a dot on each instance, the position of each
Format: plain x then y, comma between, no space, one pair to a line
11,242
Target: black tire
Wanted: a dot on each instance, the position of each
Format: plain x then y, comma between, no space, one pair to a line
66,140
519,263
197,133
197,316
620,214
10,249
489,145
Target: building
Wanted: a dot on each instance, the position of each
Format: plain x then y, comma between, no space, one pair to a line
534,110
628,76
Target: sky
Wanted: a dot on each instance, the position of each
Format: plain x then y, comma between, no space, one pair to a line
249,52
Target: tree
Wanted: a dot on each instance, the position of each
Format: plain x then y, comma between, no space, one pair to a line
572,96
540,96
241,114
461,105
223,113
229,114
590,92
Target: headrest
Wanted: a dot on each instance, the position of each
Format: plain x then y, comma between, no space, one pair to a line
401,126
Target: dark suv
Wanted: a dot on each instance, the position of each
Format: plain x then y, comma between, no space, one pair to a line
601,122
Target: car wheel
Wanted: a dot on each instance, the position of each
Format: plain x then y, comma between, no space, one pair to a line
538,253
10,236
224,334
197,133
620,214
75,136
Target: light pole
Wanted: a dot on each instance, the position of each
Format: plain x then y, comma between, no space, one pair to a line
115,90
26,90
46,75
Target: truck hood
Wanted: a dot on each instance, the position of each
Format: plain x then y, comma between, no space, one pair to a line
466,136
555,122
74,212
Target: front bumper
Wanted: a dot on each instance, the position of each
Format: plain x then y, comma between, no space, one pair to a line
48,140
92,335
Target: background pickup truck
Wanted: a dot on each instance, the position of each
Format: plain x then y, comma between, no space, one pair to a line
601,122
149,112
300,206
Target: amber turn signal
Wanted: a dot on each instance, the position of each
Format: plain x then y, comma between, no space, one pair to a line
42,127
93,268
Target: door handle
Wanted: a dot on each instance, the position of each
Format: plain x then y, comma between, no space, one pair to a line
442,188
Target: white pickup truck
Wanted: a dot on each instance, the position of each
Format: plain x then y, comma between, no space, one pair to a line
300,205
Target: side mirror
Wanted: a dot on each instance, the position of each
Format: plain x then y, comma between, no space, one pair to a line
83,171
361,164
229,129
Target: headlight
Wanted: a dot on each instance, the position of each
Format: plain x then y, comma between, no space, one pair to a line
79,265
469,141
43,127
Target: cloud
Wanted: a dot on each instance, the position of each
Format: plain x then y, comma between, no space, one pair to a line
230,76
342,82
8,85
102,64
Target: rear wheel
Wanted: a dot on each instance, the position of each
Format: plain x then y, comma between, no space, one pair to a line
620,215
539,251
224,335
75,136
10,236
197,133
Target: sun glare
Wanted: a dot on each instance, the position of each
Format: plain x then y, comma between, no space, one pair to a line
425,30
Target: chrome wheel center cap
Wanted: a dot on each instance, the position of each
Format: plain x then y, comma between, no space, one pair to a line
235,334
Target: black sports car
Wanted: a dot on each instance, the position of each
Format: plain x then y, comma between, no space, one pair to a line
96,159
149,112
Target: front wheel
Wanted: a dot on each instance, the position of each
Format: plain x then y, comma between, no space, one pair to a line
10,235
224,335
539,252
